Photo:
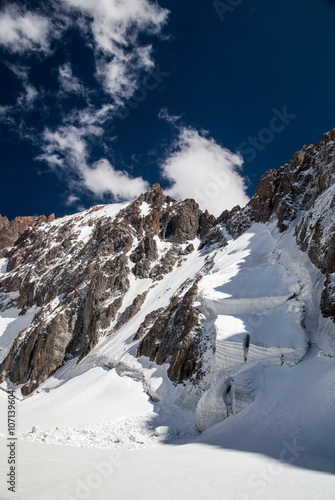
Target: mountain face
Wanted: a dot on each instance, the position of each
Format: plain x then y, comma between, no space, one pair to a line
157,282
77,271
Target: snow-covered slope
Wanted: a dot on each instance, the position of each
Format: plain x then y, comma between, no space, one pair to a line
142,325
77,404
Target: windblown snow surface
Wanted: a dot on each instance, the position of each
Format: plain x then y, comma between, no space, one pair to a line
115,427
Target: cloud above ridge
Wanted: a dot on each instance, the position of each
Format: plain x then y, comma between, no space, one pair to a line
200,168
66,150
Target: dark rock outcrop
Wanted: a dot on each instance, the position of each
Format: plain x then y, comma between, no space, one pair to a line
184,225
148,322
10,231
293,188
131,310
328,297
175,338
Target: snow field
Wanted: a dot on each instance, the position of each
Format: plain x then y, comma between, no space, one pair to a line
192,471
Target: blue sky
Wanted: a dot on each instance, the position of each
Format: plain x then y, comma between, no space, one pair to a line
102,98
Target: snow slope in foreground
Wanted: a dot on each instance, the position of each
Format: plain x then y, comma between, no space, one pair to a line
191,471
270,451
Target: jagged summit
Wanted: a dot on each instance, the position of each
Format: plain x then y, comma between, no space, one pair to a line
155,188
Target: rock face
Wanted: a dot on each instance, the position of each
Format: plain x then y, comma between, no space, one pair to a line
89,275
176,338
10,231
77,271
328,297
184,225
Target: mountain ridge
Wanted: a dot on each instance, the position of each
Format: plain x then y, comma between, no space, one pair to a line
76,274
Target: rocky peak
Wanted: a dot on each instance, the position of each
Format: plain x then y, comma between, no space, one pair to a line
184,224
286,192
154,196
262,203
11,230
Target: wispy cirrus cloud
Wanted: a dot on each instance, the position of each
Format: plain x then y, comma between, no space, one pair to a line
27,97
115,26
117,23
90,115
65,150
112,30
72,200
6,115
171,119
69,83
22,31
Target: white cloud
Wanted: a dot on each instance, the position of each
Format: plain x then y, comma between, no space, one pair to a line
30,96
114,20
66,150
6,115
165,115
104,179
72,199
90,115
200,168
68,82
66,147
54,160
4,110
21,72
111,29
22,31
115,26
